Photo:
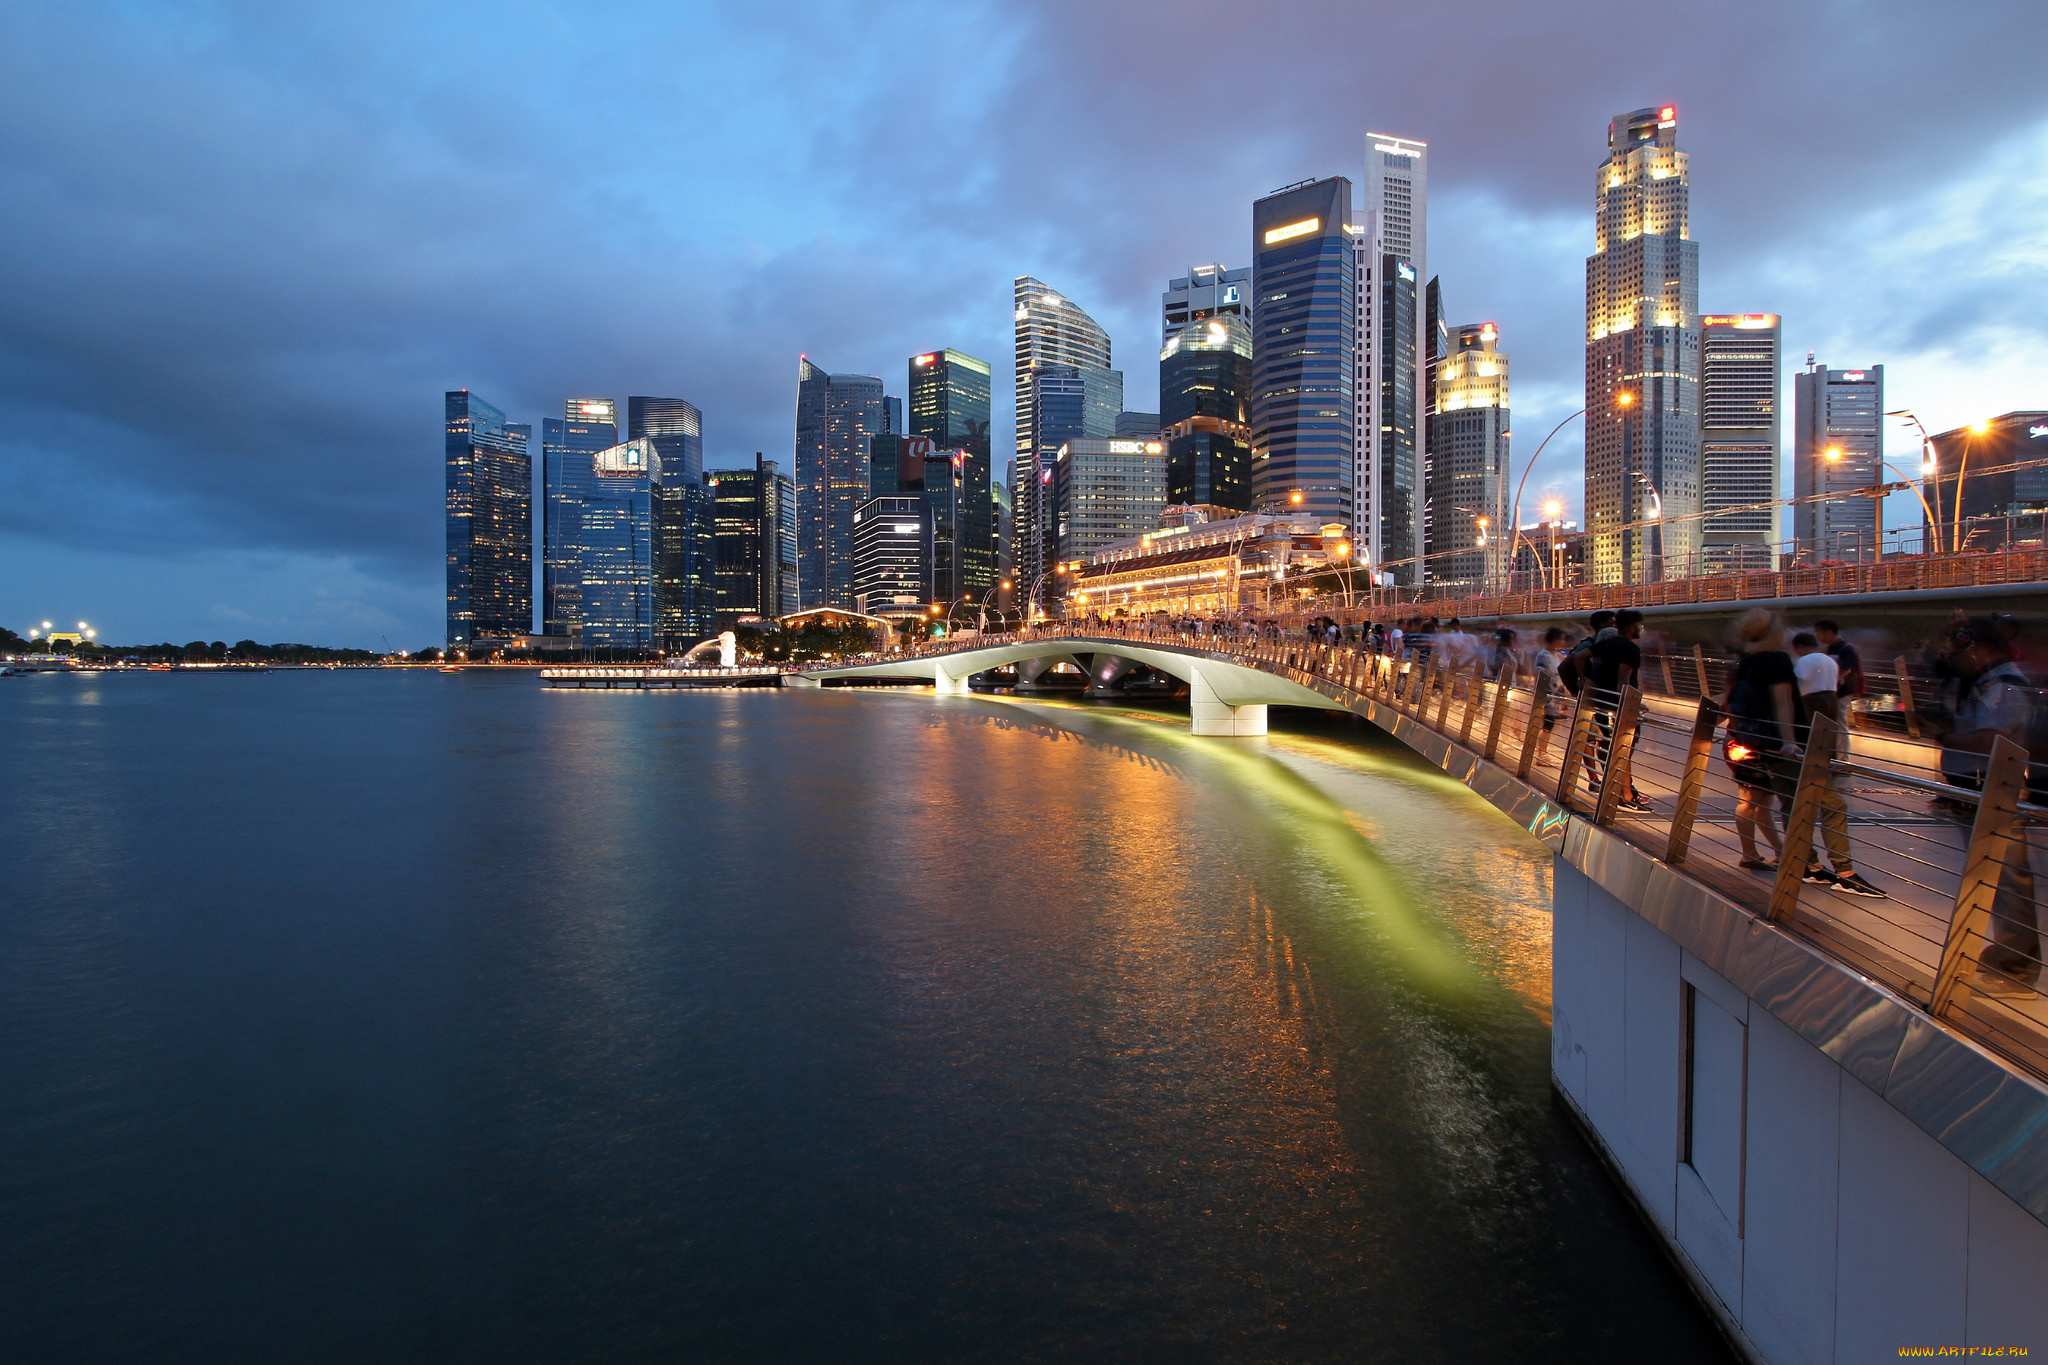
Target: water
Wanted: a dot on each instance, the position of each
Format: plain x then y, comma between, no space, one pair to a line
400,1016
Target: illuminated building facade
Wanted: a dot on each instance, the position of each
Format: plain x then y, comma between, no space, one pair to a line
1065,389
1206,291
489,523
892,553
1739,441
837,418
949,406
1837,454
1106,490
1305,350
1468,472
619,547
1199,567
1642,357
1389,237
1205,393
686,575
749,508
2002,507
587,426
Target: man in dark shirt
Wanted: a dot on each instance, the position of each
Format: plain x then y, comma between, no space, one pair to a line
1848,663
1617,659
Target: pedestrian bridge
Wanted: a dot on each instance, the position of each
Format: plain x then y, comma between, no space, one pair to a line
1227,694
1835,1119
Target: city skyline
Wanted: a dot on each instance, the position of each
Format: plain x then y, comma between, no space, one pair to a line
203,526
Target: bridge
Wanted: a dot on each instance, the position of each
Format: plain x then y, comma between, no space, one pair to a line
1835,1119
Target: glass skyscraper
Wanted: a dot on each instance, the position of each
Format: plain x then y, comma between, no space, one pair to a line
949,405
686,581
1060,353
1305,356
489,522
748,507
1205,393
587,426
837,418
892,555
1468,472
618,547
1739,441
1642,357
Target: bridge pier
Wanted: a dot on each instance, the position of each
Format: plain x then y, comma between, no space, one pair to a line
949,684
1213,716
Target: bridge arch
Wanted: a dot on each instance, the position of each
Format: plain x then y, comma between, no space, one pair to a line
1225,697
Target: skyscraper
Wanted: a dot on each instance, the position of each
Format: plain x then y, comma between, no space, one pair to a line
837,417
747,507
686,580
1390,242
892,556
1738,441
1468,474
949,405
1206,291
489,521
1105,491
1642,358
1305,352
1205,392
587,426
618,547
1062,371
1837,452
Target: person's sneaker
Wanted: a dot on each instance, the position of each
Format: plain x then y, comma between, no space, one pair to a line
1820,876
1633,803
1855,884
1997,983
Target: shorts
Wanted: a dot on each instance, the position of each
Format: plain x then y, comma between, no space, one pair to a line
1767,773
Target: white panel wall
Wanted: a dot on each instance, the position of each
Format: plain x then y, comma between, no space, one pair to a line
1852,1232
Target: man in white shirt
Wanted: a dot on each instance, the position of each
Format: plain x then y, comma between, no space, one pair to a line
1818,676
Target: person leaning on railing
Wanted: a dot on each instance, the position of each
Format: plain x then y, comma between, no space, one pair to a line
1994,701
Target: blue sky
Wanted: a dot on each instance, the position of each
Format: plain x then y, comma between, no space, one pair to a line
252,244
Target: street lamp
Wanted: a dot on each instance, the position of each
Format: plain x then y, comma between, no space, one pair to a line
1553,512
1516,532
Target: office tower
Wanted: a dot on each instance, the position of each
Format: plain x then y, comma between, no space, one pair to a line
587,426
489,522
837,418
949,406
1642,358
686,579
1206,291
1205,394
1305,350
747,513
892,414
1468,473
2003,507
788,600
1390,243
1062,370
1436,345
999,494
1105,490
892,556
619,546
1136,425
1837,453
1739,441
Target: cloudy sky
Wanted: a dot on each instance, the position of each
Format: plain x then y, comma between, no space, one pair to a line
250,244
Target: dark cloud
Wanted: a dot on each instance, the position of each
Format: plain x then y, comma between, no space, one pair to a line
254,243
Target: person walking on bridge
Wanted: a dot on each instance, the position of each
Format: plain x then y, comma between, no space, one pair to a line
1762,706
1818,676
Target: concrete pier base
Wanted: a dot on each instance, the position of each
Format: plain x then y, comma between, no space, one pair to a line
1214,717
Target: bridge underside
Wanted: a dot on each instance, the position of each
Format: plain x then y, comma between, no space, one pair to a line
1225,697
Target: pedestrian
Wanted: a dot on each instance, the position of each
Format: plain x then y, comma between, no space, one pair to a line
1848,663
1996,701
1503,666
1555,644
1762,705
1617,662
1818,676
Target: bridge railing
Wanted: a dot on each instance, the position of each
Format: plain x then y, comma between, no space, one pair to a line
1922,857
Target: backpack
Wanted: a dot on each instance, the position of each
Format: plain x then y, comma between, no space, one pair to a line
1571,670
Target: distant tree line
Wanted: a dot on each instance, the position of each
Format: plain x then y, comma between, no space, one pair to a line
193,651
815,641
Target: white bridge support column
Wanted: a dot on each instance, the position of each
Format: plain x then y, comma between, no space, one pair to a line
948,684
1214,717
